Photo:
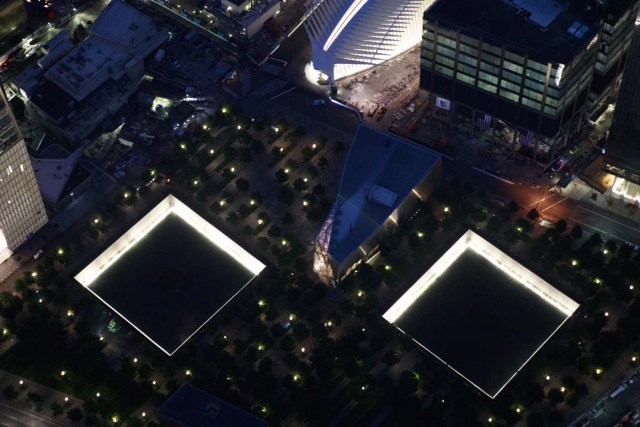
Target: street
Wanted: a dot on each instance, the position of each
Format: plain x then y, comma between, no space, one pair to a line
14,417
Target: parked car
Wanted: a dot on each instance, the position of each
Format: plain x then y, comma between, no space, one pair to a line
38,254
318,101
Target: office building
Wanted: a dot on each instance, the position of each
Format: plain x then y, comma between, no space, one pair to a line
22,210
350,36
618,20
622,148
528,64
384,177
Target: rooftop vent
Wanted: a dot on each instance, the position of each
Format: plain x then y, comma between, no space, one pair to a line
382,196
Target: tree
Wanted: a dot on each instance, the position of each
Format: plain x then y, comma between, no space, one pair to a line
555,396
561,226
56,408
535,419
532,215
288,218
407,383
10,305
390,358
74,414
576,232
265,366
242,184
10,392
34,400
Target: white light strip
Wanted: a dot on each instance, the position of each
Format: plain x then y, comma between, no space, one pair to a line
169,205
344,21
471,240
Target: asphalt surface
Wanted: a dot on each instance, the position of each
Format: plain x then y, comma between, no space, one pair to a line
14,417
550,204
617,407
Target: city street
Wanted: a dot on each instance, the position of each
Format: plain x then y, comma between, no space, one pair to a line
14,417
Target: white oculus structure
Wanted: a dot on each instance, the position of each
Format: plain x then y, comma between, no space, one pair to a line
472,241
169,205
349,36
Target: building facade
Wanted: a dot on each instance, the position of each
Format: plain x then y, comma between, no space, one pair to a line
349,36
527,66
622,148
618,21
22,210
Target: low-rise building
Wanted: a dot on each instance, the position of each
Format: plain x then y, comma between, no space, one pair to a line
190,406
384,178
77,91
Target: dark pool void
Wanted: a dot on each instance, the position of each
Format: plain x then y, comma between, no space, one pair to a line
480,321
171,282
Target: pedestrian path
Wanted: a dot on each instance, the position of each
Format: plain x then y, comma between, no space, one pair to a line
48,395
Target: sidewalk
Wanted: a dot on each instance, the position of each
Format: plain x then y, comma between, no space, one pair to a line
47,394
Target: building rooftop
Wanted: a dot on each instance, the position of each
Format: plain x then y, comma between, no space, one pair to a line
54,170
547,30
120,34
190,406
379,173
122,25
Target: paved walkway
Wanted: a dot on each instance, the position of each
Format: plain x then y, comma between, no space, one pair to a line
47,394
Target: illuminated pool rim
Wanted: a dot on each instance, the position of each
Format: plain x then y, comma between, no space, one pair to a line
472,241
169,205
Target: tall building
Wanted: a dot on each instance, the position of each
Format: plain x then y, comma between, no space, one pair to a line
22,210
622,149
618,20
349,36
13,18
526,63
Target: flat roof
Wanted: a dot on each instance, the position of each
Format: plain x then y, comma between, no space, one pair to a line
190,406
542,28
54,170
120,34
170,274
378,164
481,313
